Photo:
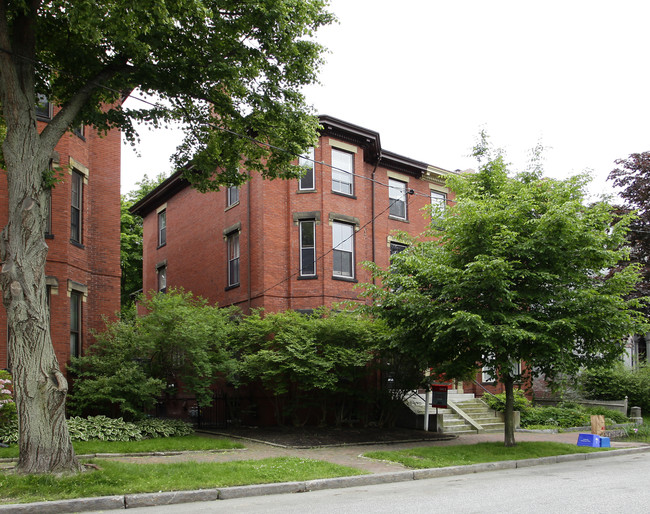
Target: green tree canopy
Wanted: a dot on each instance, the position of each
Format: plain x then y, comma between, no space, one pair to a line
518,269
231,71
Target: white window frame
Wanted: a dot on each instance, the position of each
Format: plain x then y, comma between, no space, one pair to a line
397,197
305,249
233,255
342,243
438,198
308,181
162,228
232,196
162,279
76,206
342,172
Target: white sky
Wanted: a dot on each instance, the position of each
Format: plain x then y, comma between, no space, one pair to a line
429,75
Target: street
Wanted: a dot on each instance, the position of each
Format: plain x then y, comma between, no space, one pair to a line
614,484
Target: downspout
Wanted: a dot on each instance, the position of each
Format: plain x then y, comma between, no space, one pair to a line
372,213
250,240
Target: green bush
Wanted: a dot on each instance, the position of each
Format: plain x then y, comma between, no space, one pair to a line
613,415
617,383
154,427
103,428
556,416
498,401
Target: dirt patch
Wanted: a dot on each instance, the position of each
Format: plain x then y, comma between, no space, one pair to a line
315,437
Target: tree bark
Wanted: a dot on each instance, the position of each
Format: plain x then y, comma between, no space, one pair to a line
40,387
509,430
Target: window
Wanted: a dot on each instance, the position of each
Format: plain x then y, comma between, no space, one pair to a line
76,207
43,108
162,278
232,195
307,248
162,228
343,166
397,198
75,324
78,131
343,245
233,259
396,248
438,199
307,180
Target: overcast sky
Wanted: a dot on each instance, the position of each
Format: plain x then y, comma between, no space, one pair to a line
429,75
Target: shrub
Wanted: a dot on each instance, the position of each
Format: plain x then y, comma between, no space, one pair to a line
616,383
153,427
103,429
9,432
557,416
498,401
7,405
613,415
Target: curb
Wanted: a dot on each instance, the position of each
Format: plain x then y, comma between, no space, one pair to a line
130,501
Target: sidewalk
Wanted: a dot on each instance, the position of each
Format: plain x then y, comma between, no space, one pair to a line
380,472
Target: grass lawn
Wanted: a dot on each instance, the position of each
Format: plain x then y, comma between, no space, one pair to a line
123,478
160,444
460,455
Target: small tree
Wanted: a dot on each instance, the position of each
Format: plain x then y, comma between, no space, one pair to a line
517,270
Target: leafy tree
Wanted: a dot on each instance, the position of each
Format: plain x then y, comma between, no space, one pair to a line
224,69
307,361
514,271
633,175
131,240
181,341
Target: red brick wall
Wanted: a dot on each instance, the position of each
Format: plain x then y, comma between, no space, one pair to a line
269,238
97,264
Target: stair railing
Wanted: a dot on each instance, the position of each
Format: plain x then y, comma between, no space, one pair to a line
499,400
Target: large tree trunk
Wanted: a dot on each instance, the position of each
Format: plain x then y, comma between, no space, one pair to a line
509,430
40,388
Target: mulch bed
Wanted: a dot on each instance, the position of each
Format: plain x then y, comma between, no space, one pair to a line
313,437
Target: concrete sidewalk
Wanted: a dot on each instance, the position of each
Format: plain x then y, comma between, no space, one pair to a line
380,472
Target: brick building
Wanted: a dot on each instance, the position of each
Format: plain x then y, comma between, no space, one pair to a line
83,236
290,244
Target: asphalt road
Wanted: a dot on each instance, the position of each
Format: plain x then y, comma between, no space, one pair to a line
616,484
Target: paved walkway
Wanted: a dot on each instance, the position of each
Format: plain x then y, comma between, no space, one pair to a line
351,455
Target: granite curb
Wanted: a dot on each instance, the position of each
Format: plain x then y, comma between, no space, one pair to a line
168,498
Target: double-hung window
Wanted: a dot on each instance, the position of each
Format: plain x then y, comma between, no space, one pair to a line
75,324
343,249
232,195
307,182
307,248
233,259
342,172
397,198
438,199
43,108
76,207
162,228
162,279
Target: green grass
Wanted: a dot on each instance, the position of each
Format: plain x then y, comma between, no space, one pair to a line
161,444
126,478
460,455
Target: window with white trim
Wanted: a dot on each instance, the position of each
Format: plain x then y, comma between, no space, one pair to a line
76,207
162,279
75,323
232,195
162,227
397,198
438,199
343,249
307,248
233,258
342,172
307,181
43,108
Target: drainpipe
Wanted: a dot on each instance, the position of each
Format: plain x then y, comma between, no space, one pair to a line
372,213
250,240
